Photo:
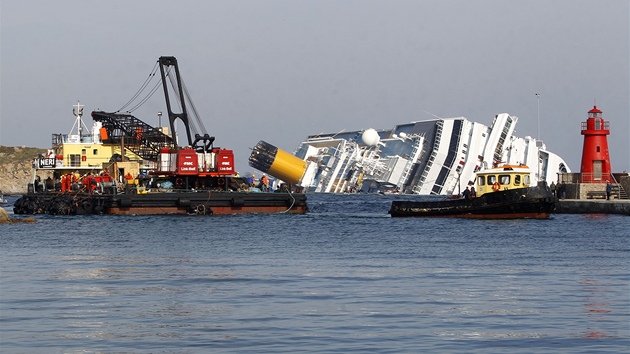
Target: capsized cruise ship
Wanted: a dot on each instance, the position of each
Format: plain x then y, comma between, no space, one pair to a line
437,156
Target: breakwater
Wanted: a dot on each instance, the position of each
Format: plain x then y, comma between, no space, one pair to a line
581,206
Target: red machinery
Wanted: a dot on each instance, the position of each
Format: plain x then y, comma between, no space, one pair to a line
189,162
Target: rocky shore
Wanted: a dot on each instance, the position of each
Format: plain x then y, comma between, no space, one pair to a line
16,168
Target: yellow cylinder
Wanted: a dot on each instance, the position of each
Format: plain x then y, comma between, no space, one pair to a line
287,167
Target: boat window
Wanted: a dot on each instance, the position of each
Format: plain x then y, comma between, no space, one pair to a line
504,179
95,152
75,160
492,179
517,180
526,180
481,180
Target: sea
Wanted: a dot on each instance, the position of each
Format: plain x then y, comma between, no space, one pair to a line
343,278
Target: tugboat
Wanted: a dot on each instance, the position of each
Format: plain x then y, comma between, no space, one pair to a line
501,193
126,166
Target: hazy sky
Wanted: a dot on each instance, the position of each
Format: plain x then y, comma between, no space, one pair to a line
282,70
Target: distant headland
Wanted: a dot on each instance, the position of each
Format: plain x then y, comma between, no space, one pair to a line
16,168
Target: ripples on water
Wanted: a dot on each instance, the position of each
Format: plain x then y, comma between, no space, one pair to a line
343,278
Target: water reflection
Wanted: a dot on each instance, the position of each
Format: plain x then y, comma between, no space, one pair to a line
596,307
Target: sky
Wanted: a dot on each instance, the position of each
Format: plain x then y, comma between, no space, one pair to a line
280,71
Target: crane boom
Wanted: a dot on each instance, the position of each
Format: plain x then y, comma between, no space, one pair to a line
166,62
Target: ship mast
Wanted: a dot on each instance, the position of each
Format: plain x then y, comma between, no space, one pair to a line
77,110
539,143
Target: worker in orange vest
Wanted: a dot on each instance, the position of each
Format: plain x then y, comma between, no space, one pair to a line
264,183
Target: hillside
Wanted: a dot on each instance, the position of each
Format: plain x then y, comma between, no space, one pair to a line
16,168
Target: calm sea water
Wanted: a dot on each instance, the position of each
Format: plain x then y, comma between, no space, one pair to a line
343,278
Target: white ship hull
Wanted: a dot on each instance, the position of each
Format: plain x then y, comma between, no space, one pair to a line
438,156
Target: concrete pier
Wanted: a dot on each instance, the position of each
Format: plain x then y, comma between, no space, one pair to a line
592,206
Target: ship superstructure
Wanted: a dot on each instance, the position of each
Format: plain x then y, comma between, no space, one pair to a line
77,150
438,156
370,160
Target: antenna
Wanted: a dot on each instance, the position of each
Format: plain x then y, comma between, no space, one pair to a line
538,140
77,111
427,112
538,116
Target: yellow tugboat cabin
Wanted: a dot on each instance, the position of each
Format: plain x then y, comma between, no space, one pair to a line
502,178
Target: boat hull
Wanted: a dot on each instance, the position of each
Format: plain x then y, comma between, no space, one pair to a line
533,203
200,203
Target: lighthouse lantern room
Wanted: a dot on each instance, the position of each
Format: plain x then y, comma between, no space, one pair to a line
595,158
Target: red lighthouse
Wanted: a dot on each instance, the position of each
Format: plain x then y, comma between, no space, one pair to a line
595,158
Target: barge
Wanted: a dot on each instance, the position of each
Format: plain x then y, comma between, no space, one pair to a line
125,166
160,203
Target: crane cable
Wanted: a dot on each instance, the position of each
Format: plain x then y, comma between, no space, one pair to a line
146,98
196,125
193,108
195,114
191,124
144,85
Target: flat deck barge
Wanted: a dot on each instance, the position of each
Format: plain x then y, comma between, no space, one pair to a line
191,202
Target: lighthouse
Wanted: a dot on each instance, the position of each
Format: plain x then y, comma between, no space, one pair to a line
595,157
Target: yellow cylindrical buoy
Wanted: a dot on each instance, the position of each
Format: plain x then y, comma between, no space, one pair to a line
276,162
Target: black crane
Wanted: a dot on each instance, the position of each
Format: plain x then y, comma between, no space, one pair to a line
147,141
